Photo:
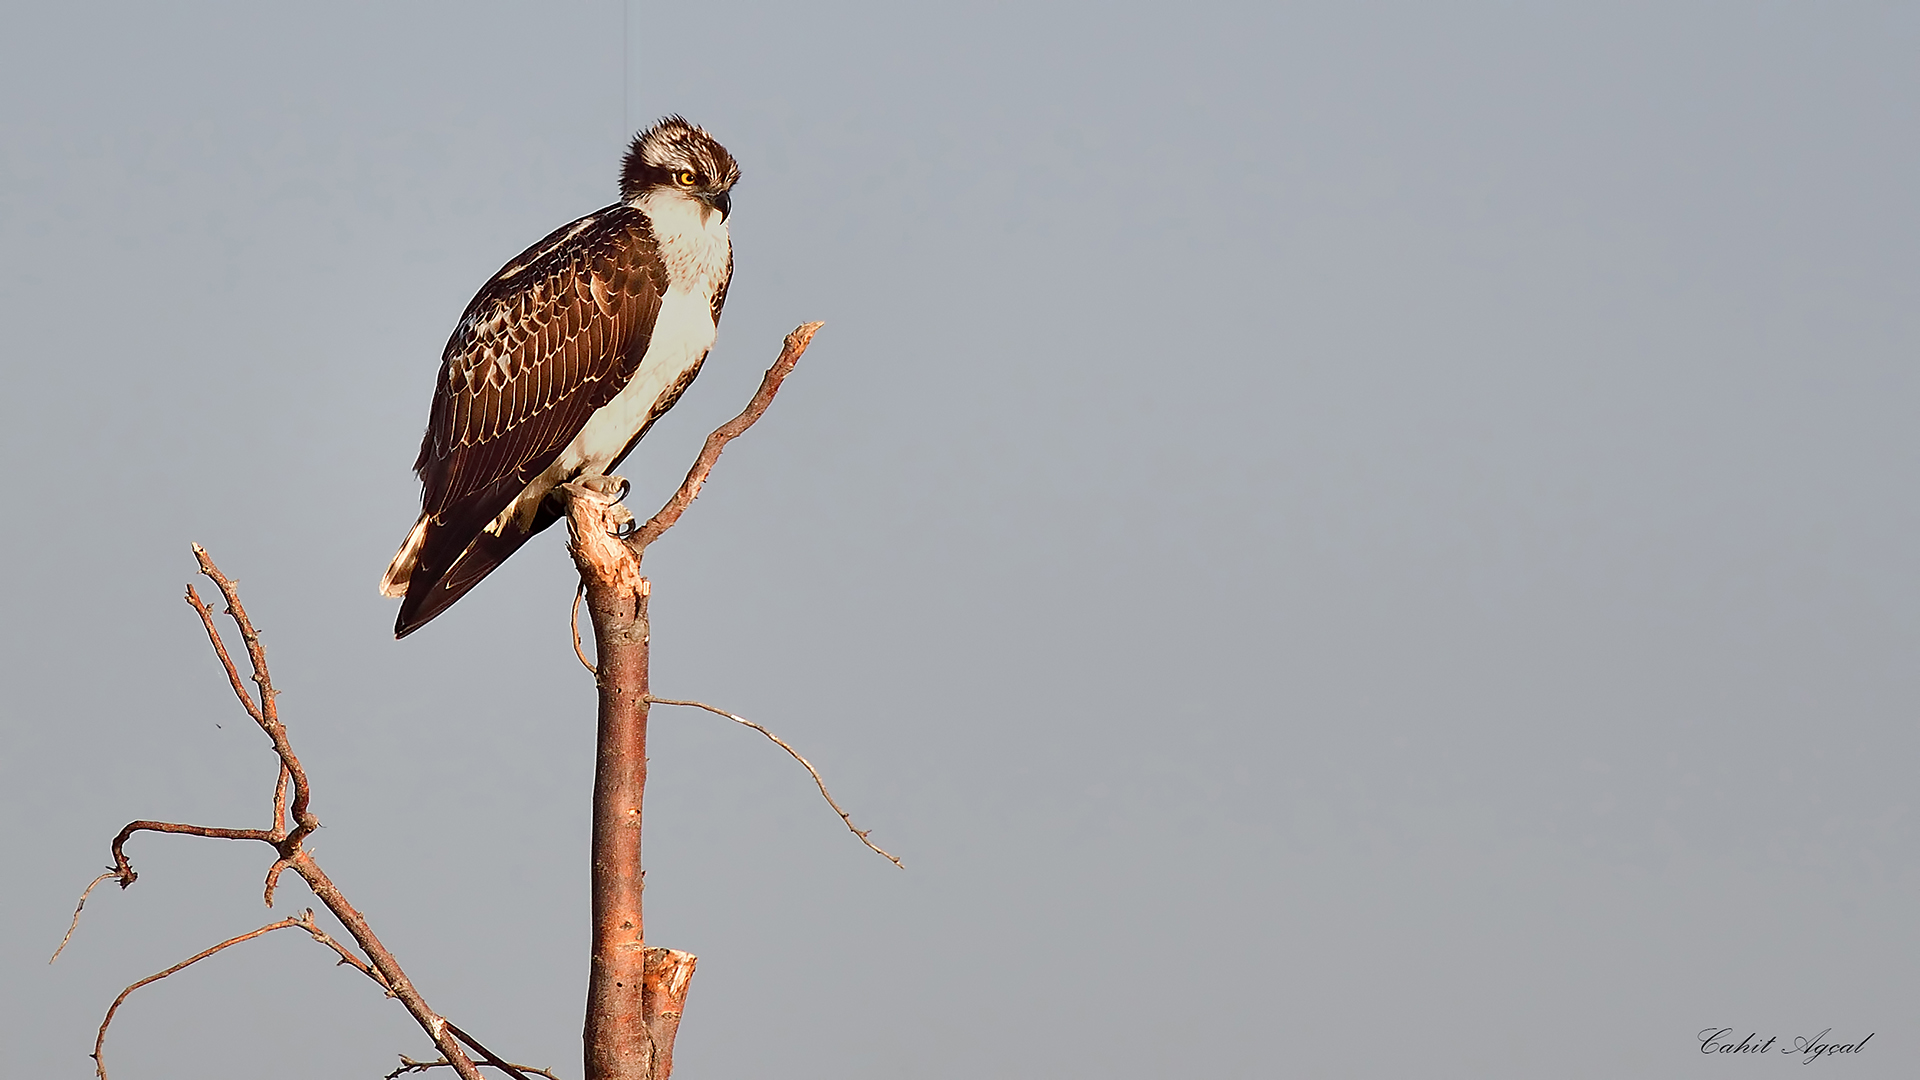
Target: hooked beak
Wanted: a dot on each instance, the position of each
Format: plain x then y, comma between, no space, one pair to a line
722,202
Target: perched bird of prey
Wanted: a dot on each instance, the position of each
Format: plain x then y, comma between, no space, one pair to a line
564,360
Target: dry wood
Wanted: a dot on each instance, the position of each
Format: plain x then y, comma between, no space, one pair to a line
618,1040
669,974
634,994
288,842
790,353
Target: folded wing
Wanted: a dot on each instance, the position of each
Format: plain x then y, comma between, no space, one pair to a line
552,337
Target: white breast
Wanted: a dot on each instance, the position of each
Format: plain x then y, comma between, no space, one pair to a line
695,247
682,334
697,252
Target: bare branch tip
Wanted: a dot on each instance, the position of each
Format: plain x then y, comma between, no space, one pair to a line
802,335
804,763
84,893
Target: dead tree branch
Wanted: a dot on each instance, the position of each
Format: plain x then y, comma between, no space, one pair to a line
795,754
635,994
618,1045
790,352
291,799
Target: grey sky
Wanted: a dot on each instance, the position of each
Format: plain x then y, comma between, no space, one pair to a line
1343,541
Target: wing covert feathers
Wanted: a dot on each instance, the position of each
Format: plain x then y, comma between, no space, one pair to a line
552,337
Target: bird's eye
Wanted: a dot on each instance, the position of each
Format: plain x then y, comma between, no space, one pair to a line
686,177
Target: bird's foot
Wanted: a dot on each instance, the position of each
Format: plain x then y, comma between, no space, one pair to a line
615,488
608,490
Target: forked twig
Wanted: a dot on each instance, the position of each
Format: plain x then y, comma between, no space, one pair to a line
293,821
347,958
266,713
808,765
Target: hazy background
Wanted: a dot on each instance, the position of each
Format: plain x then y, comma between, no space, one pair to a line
1342,541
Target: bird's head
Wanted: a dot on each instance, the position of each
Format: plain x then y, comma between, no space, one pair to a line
675,155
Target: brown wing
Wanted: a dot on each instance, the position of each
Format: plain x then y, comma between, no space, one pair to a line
555,335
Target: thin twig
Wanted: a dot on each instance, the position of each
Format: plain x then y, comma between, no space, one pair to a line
99,1061
486,1055
267,715
304,921
220,649
408,1065
518,1072
811,771
76,912
308,924
790,351
577,650
269,712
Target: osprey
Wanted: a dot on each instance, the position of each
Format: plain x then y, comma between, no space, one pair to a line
564,360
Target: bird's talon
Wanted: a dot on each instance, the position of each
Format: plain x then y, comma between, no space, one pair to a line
622,520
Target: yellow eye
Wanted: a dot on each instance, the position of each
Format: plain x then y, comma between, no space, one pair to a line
686,177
